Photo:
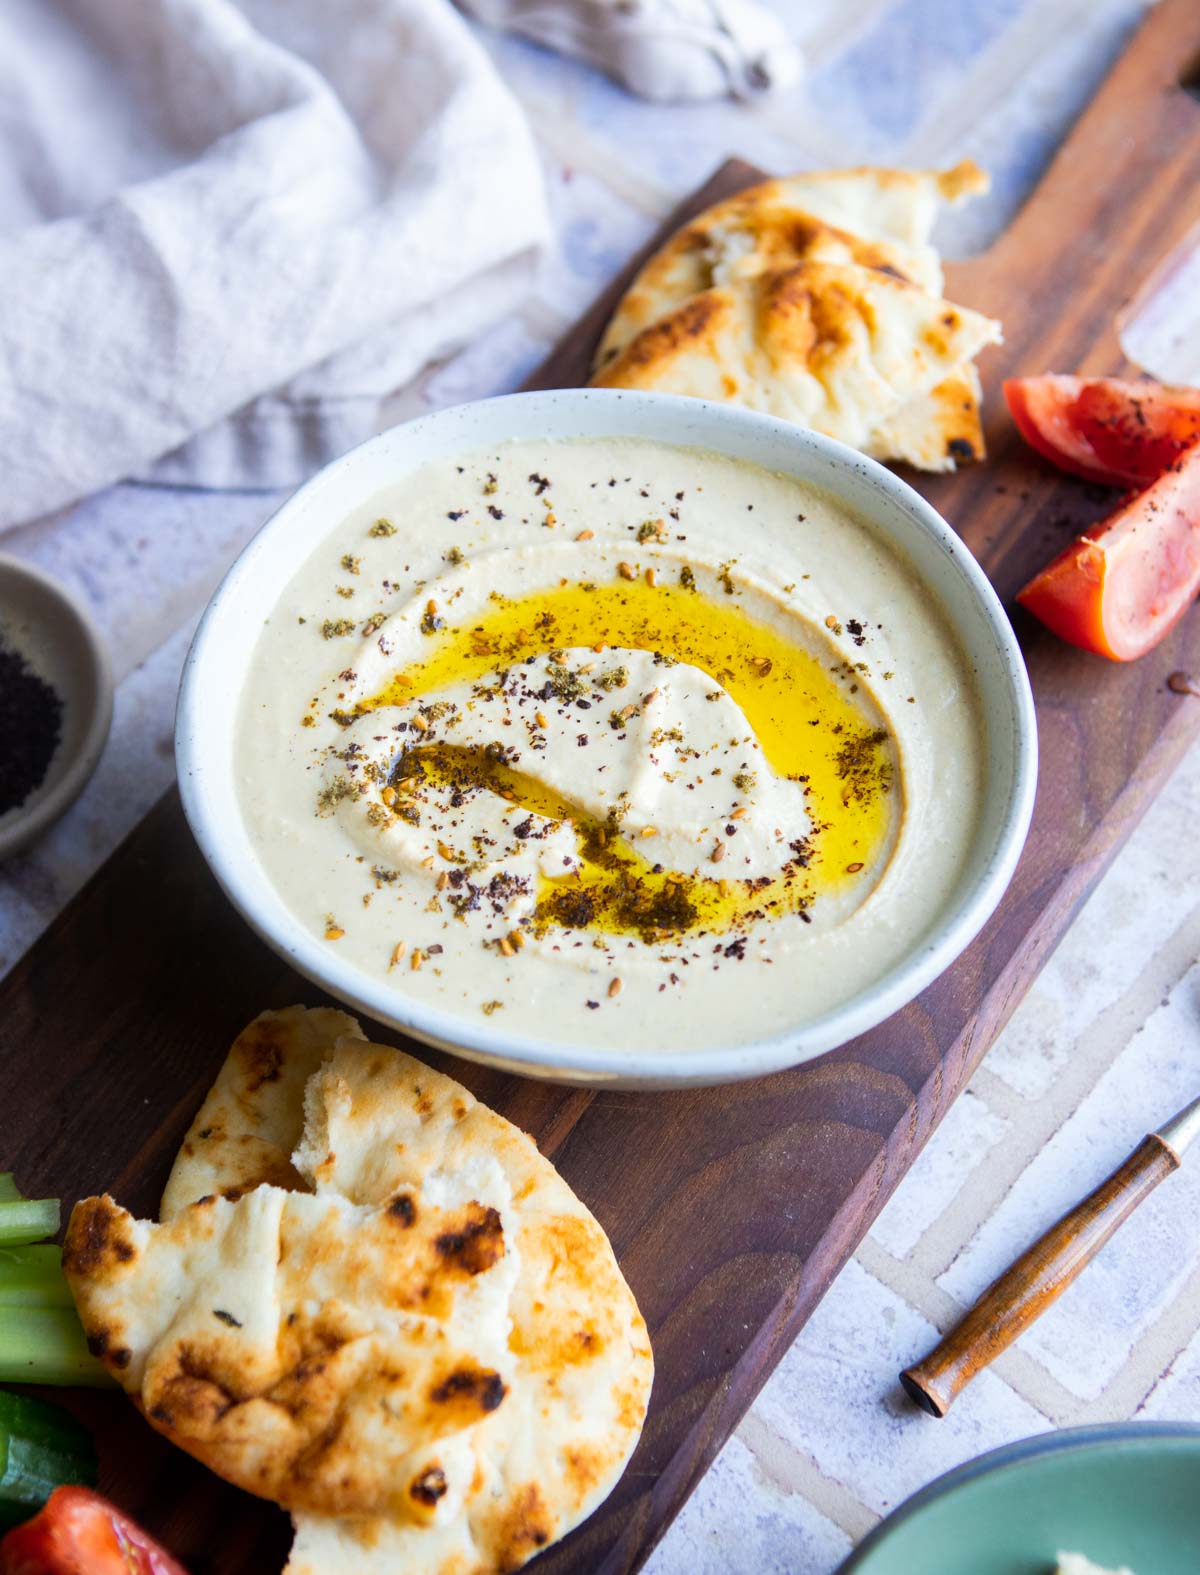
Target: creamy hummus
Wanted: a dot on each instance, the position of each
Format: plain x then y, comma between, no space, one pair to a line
612,743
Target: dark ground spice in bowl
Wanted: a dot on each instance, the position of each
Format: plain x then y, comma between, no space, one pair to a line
31,714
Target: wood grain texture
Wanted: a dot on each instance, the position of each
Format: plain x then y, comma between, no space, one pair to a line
731,1209
1036,1279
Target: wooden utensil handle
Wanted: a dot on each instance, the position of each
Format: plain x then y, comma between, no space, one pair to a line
1037,1279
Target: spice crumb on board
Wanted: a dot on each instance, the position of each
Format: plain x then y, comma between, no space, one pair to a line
1183,684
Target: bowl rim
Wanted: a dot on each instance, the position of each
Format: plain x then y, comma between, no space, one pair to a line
65,788
557,1059
1008,1457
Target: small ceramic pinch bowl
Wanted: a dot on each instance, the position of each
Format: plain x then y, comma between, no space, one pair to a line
60,643
216,667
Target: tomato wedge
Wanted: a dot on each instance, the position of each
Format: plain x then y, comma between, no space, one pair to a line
80,1533
1122,585
1121,433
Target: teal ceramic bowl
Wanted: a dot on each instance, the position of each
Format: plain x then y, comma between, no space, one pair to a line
1123,1495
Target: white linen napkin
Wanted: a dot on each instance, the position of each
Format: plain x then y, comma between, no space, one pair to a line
227,231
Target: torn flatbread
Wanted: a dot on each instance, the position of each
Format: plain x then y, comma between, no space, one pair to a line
417,1338
253,1117
818,299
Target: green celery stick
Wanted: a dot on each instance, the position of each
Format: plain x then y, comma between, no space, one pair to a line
45,1345
31,1276
28,1220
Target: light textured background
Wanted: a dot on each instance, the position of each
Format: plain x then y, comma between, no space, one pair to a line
1104,1047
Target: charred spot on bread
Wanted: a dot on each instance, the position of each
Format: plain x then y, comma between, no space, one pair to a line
403,1210
477,1245
99,1344
97,1239
691,321
475,1385
527,1525
262,1055
429,1486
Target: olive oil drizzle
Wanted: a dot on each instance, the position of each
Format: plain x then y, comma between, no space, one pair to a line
617,890
804,714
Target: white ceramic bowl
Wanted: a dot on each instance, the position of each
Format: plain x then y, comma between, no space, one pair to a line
217,663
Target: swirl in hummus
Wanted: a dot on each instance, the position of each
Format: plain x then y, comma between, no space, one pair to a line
634,744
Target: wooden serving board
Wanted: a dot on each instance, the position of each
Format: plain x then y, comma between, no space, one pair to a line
733,1208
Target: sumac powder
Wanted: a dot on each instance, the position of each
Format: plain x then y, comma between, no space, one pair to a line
30,727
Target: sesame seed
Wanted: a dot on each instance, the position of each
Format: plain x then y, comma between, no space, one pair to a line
443,880
614,988
651,578
516,939
418,957
599,646
431,607
506,947
398,952
739,813
649,831
853,869
541,719
388,796
550,520
445,850
419,722
718,853
626,571
334,932
585,535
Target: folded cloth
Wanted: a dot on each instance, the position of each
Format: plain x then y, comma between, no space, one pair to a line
227,231
667,50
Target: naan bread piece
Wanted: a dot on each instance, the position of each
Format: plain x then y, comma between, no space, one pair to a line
246,1129
816,298
839,349
874,218
305,1349
466,1491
